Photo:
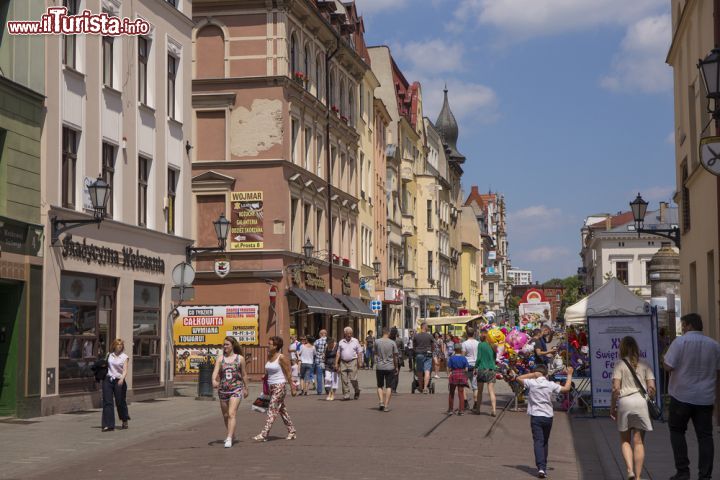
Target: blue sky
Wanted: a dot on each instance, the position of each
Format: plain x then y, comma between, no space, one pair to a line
564,106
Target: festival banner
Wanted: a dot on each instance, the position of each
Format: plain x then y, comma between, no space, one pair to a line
605,334
536,313
246,229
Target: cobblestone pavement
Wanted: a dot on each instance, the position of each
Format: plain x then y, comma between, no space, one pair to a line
182,438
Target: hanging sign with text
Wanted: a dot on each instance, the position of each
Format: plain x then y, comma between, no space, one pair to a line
605,334
246,229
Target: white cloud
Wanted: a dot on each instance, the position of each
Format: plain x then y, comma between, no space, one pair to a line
523,19
640,64
368,7
659,193
535,212
431,56
534,219
543,254
469,101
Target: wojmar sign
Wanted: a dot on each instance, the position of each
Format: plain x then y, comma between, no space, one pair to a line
209,325
246,229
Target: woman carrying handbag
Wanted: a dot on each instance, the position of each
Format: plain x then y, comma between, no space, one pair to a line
633,381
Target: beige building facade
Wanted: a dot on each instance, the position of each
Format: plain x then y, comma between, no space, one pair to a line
118,108
694,34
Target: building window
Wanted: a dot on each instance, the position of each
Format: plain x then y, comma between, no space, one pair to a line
143,177
308,149
318,228
293,54
86,328
171,194
319,146
362,175
146,334
319,78
492,293
685,198
172,75
621,272
70,41
172,2
295,133
107,54
69,164
306,67
108,174
429,215
143,54
294,230
430,264
307,222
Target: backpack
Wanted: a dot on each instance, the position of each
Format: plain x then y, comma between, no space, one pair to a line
100,369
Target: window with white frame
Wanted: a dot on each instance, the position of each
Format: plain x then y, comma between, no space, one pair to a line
307,222
172,69
319,149
70,41
143,184
143,60
69,166
108,60
363,184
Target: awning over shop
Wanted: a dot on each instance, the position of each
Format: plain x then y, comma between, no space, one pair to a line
317,301
437,321
356,307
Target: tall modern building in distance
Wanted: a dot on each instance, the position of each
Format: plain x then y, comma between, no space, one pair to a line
520,277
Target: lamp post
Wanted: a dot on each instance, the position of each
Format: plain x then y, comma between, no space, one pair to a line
99,192
222,228
710,72
376,271
639,209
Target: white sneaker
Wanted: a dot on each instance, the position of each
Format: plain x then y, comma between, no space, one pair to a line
228,442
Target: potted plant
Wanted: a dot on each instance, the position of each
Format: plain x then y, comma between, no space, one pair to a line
336,259
299,77
335,110
346,262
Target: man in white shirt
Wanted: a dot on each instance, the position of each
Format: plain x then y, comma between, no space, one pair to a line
540,392
693,361
349,360
470,350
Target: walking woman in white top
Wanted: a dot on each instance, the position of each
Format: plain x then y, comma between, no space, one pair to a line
277,370
629,407
229,378
114,387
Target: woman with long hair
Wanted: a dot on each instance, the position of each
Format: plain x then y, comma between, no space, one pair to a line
438,348
628,406
114,387
229,377
306,354
277,370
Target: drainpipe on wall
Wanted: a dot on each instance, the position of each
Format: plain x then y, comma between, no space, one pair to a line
328,163
716,28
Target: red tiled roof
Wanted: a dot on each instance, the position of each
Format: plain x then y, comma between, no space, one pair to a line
615,220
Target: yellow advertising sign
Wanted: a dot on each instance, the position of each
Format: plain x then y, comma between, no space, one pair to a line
246,223
209,325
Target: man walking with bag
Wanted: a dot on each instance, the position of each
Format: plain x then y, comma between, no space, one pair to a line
693,361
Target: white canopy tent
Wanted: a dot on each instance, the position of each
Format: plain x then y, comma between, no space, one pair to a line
613,298
439,321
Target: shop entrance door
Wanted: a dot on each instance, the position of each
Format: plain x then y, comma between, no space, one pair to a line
10,308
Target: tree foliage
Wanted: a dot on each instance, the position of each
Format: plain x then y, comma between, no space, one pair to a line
573,290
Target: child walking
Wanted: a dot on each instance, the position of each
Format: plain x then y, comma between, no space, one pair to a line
540,392
457,366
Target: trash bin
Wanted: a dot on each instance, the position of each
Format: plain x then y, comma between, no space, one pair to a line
205,387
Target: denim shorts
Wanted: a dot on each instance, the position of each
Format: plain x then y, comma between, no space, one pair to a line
423,363
306,371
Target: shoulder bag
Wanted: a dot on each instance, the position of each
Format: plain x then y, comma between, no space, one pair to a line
653,407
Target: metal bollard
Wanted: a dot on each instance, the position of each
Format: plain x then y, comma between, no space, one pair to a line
205,387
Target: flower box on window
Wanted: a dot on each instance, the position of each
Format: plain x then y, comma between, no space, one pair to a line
299,77
336,259
335,110
346,262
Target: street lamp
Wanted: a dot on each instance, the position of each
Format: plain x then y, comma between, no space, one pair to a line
710,71
222,228
639,209
99,192
308,249
376,271
401,272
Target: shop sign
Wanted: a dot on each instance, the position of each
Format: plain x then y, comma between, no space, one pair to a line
309,275
346,285
209,325
492,255
126,258
394,295
19,237
246,230
222,267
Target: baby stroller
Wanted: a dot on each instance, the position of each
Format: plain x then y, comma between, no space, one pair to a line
415,387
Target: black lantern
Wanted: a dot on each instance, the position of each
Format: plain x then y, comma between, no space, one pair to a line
222,227
710,72
376,267
308,249
401,269
99,192
639,208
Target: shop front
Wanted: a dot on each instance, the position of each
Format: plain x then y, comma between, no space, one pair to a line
113,285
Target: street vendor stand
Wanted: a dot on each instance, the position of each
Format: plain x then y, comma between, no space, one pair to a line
609,314
460,321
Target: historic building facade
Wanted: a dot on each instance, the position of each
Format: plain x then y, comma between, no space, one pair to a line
118,108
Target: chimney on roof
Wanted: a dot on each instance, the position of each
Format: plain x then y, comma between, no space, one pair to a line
663,211
474,191
608,222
